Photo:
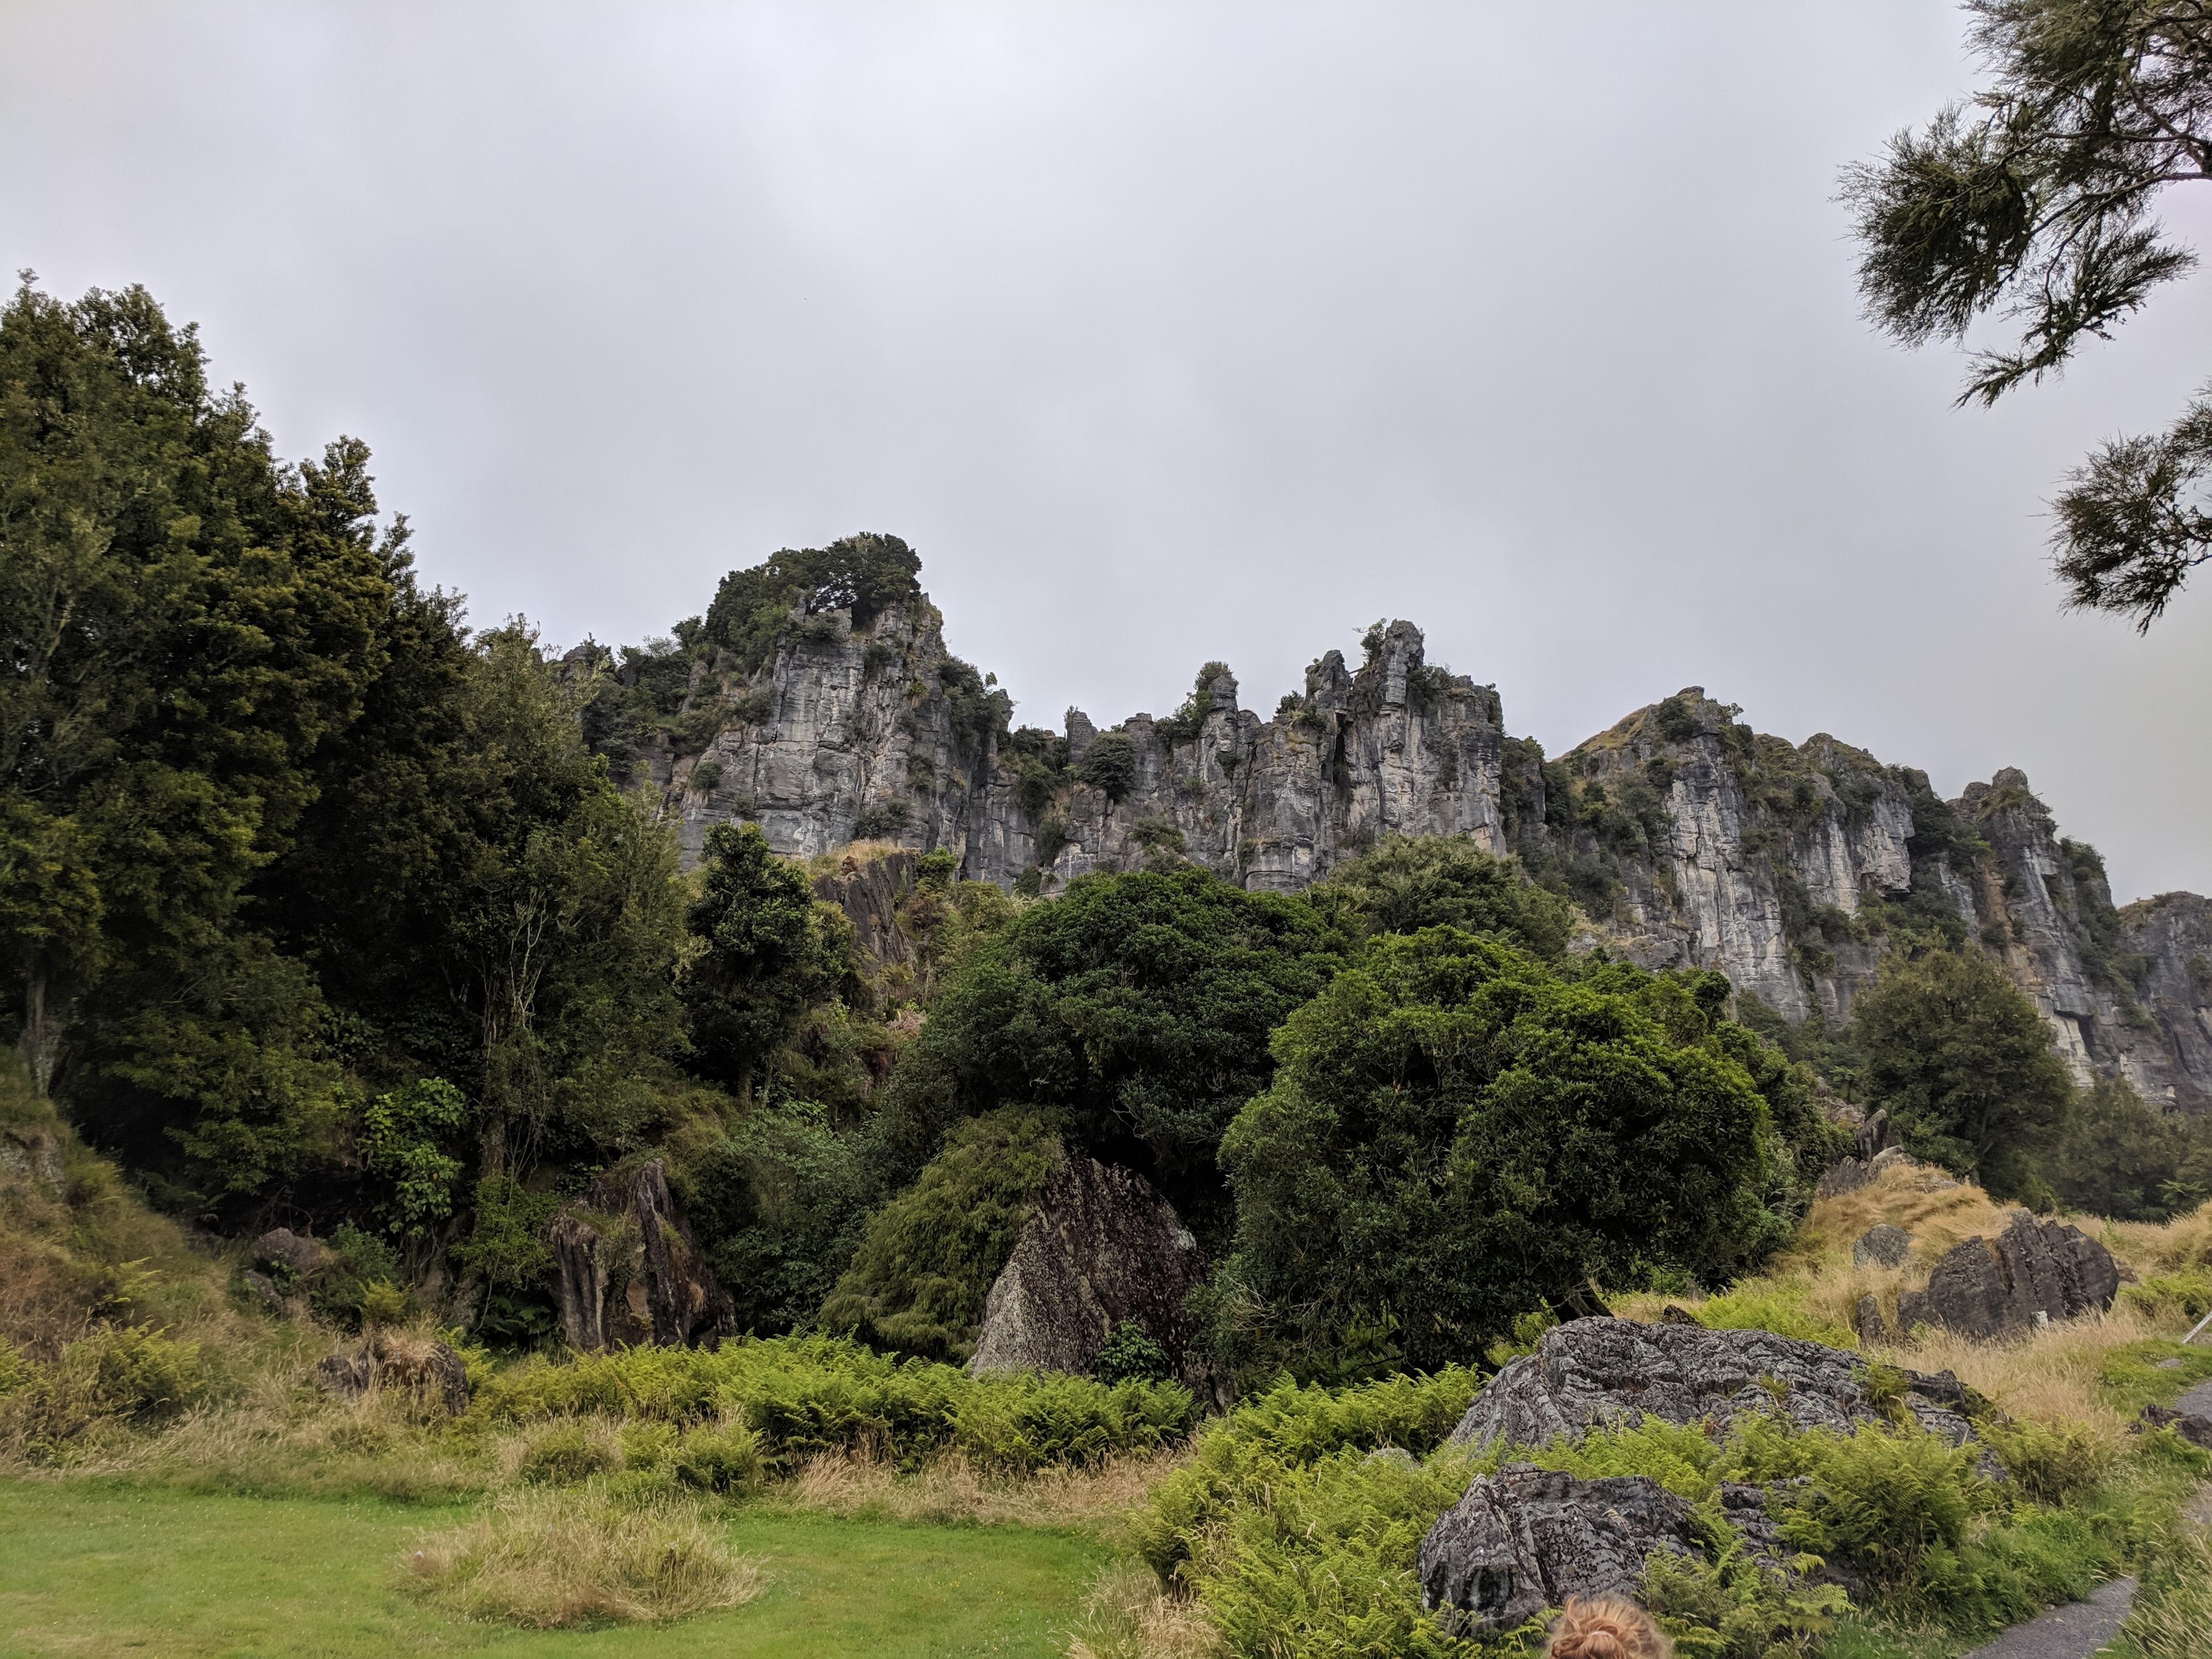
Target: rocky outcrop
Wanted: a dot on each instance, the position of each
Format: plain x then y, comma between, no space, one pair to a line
2033,1272
626,1269
1526,1539
1688,839
430,1370
1593,1372
1101,1249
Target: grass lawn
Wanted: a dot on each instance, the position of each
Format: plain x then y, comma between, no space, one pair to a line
96,1568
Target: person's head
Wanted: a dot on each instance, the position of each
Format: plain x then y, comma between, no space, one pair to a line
1605,1627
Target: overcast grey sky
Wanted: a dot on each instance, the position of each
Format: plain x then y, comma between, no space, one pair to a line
1165,332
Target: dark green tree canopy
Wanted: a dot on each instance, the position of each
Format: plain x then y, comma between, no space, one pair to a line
867,572
1964,1064
1410,883
2035,202
1456,1134
1139,1005
769,953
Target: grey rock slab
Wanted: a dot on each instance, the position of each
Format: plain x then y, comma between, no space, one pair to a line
2032,1272
1591,1372
2073,1631
2198,1400
1881,1246
1102,1248
1526,1539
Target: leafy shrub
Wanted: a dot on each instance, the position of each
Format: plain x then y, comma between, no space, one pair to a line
563,1453
707,776
358,1260
802,1395
927,1260
1409,883
125,1373
1109,764
1458,1133
2052,1461
881,821
1130,1354
725,1458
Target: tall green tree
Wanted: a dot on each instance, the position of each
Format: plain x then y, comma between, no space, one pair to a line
1139,1005
1456,1134
2034,202
768,952
1964,1064
187,620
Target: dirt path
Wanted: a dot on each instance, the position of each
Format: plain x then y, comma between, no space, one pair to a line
2073,1631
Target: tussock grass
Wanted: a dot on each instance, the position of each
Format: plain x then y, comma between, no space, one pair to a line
2171,1618
1129,1616
954,1491
550,1560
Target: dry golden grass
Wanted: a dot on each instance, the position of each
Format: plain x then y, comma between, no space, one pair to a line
1129,1616
953,1491
2049,1375
551,1560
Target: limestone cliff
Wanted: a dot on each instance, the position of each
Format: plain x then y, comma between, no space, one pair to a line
1686,838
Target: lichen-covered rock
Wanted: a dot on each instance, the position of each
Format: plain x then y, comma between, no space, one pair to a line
1102,1248
1881,1246
2032,1272
1866,1321
627,1268
1526,1539
1592,1372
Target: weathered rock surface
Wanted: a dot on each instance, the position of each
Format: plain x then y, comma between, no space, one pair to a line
2192,1427
1593,1372
430,1370
1866,1319
627,1270
1526,1539
1102,1248
1695,842
286,1251
1881,1246
2032,1271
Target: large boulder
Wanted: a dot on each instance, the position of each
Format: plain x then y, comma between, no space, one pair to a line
1526,1539
1594,1372
1102,1249
627,1268
2032,1272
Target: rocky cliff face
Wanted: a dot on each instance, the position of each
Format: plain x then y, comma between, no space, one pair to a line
1687,839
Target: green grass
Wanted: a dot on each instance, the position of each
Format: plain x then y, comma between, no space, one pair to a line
99,1568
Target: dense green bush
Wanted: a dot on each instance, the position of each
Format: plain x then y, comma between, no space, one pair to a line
116,1373
865,573
1409,883
768,952
1964,1064
1458,1135
925,1264
801,1395
1109,764
1140,1005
